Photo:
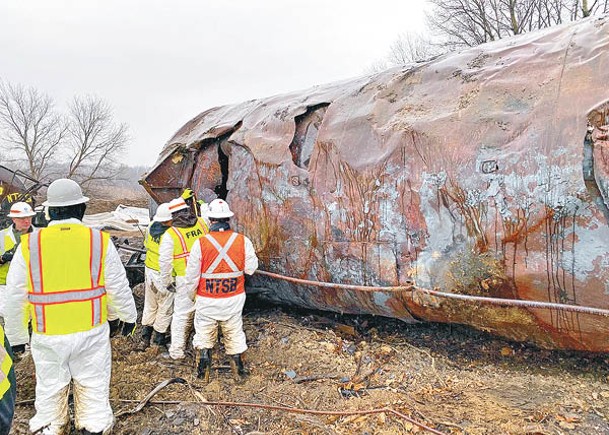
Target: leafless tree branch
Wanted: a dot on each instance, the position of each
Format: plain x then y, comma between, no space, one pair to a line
95,140
466,23
29,123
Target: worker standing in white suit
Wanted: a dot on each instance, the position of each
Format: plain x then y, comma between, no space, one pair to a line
158,301
21,214
215,270
69,278
174,250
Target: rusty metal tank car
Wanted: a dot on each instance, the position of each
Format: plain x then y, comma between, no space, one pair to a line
466,189
16,186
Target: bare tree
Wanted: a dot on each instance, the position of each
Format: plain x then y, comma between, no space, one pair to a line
377,66
95,140
472,22
464,22
29,124
408,48
412,47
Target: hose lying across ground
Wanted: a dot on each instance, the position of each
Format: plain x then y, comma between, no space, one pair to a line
411,288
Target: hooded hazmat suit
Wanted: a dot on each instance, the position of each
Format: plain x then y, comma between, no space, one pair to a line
70,280
158,301
215,271
174,251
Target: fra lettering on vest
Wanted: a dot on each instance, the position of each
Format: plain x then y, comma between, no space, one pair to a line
194,233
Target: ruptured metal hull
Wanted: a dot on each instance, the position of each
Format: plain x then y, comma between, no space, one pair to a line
467,189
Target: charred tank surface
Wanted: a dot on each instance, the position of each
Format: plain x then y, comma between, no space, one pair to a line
466,189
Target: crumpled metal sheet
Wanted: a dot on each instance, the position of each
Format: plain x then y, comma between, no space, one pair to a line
467,174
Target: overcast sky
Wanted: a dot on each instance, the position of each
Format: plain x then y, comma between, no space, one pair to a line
161,62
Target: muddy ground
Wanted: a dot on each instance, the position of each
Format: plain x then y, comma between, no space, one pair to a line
450,378
309,370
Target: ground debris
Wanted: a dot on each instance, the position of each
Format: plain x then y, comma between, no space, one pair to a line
450,378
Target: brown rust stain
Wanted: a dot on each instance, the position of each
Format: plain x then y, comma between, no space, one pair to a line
398,184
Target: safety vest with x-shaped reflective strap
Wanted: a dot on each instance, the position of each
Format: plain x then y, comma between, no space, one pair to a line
66,285
222,265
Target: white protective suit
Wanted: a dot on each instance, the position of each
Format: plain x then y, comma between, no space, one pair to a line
211,311
84,357
183,305
158,302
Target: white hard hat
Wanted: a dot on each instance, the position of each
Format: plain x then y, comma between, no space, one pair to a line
177,204
218,209
64,192
162,213
21,210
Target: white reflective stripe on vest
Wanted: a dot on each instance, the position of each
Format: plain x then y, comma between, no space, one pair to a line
96,256
222,253
221,275
96,259
36,275
39,299
69,296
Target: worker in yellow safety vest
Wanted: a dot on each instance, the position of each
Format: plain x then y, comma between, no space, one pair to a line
216,269
174,249
21,214
69,278
158,301
8,389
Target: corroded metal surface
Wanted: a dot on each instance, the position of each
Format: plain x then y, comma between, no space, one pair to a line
14,186
468,174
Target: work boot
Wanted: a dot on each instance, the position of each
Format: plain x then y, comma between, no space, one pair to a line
160,339
146,334
204,368
237,367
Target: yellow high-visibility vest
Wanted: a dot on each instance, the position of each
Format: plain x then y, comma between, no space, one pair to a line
152,252
183,239
66,285
7,241
6,362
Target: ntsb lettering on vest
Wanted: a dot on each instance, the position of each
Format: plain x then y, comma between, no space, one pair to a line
225,285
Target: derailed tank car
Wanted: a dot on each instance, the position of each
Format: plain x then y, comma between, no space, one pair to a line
467,189
15,186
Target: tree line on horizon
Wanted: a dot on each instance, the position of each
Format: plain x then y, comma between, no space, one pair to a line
455,24
85,143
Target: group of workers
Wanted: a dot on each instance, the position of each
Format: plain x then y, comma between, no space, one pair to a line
195,268
67,284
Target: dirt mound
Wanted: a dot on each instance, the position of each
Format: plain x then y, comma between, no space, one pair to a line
107,199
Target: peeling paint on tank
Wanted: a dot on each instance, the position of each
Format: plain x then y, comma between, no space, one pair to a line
381,298
333,186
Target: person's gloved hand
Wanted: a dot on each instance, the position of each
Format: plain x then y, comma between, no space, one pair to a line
114,326
128,329
18,349
7,257
187,194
